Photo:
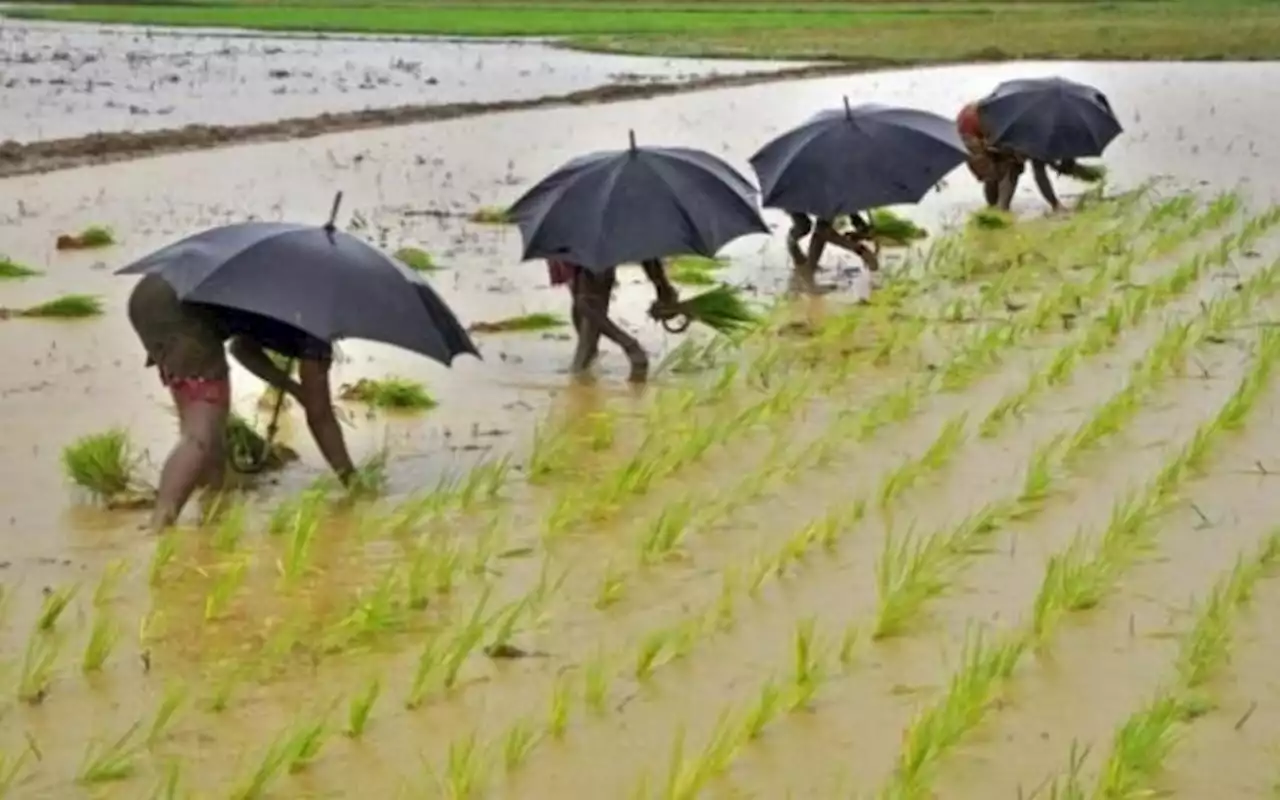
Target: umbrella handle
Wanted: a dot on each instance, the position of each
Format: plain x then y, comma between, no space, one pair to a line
670,324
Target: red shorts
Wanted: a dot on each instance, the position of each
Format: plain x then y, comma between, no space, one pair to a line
214,391
560,272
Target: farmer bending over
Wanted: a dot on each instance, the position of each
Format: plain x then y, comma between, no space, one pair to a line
999,169
185,342
592,293
824,233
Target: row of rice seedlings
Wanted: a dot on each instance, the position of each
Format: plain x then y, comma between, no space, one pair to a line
914,568
1143,742
1123,312
901,336
116,759
671,525
1073,581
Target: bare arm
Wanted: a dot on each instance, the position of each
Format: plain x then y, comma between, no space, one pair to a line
1041,172
253,358
657,274
317,400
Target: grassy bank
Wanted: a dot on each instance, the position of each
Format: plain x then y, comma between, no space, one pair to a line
884,32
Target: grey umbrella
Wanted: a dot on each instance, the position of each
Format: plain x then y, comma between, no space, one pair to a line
1049,119
626,206
318,279
855,158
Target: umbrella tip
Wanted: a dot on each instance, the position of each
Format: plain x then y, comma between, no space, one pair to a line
333,212
631,137
848,111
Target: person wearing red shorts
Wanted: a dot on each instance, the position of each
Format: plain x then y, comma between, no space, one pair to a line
185,342
999,169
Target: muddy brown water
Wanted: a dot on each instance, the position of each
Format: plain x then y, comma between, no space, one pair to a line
62,80
1197,123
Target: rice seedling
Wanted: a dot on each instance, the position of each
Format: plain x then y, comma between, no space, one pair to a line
612,586
721,309
92,237
115,760
232,521
105,465
559,708
807,675
231,577
465,769
12,770
224,684
416,259
360,708
249,451
537,321
1140,747
175,694
520,740
12,270
304,740
256,784
68,306
651,649
938,727
102,641
990,219
389,393
490,215
768,705
55,603
165,551
910,570
168,785
425,673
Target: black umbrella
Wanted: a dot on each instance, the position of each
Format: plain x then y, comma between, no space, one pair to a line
626,206
1049,119
317,279
848,160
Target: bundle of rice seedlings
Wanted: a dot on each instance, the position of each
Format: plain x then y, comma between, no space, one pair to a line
537,321
490,215
891,229
392,392
95,236
991,219
694,270
415,259
721,309
69,306
105,465
247,450
12,270
1087,173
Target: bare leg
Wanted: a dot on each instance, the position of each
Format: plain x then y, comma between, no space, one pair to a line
201,429
595,311
991,191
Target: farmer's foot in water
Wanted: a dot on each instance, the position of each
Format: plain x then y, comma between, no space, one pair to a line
639,368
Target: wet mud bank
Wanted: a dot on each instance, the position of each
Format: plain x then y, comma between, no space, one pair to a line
18,158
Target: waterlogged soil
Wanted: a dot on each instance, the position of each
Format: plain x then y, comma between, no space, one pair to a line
641,624
64,81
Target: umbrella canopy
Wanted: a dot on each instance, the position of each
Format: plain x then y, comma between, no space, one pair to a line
1049,119
626,206
318,279
856,158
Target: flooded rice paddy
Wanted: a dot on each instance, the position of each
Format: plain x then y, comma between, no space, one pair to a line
60,80
993,535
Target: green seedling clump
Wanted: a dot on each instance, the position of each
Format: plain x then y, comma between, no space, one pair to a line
491,215
90,238
692,270
538,321
393,392
106,465
721,309
245,447
71,306
416,259
991,219
11,270
891,229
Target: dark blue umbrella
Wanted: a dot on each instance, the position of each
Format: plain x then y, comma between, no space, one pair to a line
856,158
318,279
626,206
1049,119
